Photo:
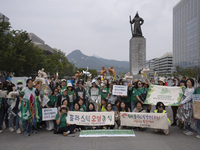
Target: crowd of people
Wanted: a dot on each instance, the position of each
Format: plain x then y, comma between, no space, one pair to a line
24,108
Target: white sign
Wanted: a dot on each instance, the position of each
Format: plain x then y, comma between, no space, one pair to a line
43,100
119,90
170,96
196,97
145,120
49,114
90,118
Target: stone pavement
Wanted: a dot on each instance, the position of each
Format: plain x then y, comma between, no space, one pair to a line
144,140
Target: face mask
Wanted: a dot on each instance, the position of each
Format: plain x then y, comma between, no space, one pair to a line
19,86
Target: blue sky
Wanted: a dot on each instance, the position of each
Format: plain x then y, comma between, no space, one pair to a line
99,27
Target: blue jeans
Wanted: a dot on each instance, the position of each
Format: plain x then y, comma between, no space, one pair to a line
71,107
132,106
1,116
17,121
27,126
198,126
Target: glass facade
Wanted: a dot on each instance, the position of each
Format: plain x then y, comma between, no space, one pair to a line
186,33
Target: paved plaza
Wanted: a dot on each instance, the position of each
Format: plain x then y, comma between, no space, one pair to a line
144,140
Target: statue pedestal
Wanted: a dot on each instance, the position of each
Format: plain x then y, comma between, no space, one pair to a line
137,54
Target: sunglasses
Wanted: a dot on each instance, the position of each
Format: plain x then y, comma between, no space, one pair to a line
160,106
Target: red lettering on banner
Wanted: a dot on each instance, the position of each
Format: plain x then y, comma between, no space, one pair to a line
93,118
99,118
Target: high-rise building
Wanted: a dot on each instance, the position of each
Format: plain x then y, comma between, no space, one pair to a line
40,43
186,33
3,18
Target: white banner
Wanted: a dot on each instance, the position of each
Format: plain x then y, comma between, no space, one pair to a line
90,118
196,97
49,114
145,120
119,90
170,96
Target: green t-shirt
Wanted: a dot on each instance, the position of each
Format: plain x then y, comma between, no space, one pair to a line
133,97
104,92
71,97
63,89
52,101
138,92
103,109
197,91
63,121
83,108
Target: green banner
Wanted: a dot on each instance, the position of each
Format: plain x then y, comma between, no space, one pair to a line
107,133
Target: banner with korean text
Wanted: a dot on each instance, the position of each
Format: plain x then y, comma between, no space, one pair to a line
90,118
144,120
119,90
49,114
170,96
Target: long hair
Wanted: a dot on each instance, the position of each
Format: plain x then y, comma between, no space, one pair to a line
126,107
159,104
90,103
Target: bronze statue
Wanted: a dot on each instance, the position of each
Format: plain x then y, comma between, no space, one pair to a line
137,21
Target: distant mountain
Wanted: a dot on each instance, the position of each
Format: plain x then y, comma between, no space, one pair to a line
95,62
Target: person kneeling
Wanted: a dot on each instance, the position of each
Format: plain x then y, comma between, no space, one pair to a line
160,108
139,109
64,127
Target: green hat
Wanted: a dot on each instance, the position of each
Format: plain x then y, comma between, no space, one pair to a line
19,81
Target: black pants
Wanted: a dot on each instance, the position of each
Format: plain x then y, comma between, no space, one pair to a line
174,111
68,128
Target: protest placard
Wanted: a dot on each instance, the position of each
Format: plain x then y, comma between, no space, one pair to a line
119,90
43,100
196,105
145,120
170,96
90,118
49,114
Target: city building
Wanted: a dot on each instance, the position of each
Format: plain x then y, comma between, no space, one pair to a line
40,43
186,33
151,65
163,65
3,18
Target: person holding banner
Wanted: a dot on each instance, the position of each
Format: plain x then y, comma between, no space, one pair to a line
109,109
63,127
197,91
122,108
186,105
104,103
82,106
160,108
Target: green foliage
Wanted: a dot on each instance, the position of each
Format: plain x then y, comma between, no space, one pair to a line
21,56
190,72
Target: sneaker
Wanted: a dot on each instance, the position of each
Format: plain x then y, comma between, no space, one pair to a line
167,132
185,131
189,133
198,136
18,131
1,131
34,131
26,134
65,133
11,129
79,129
71,135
